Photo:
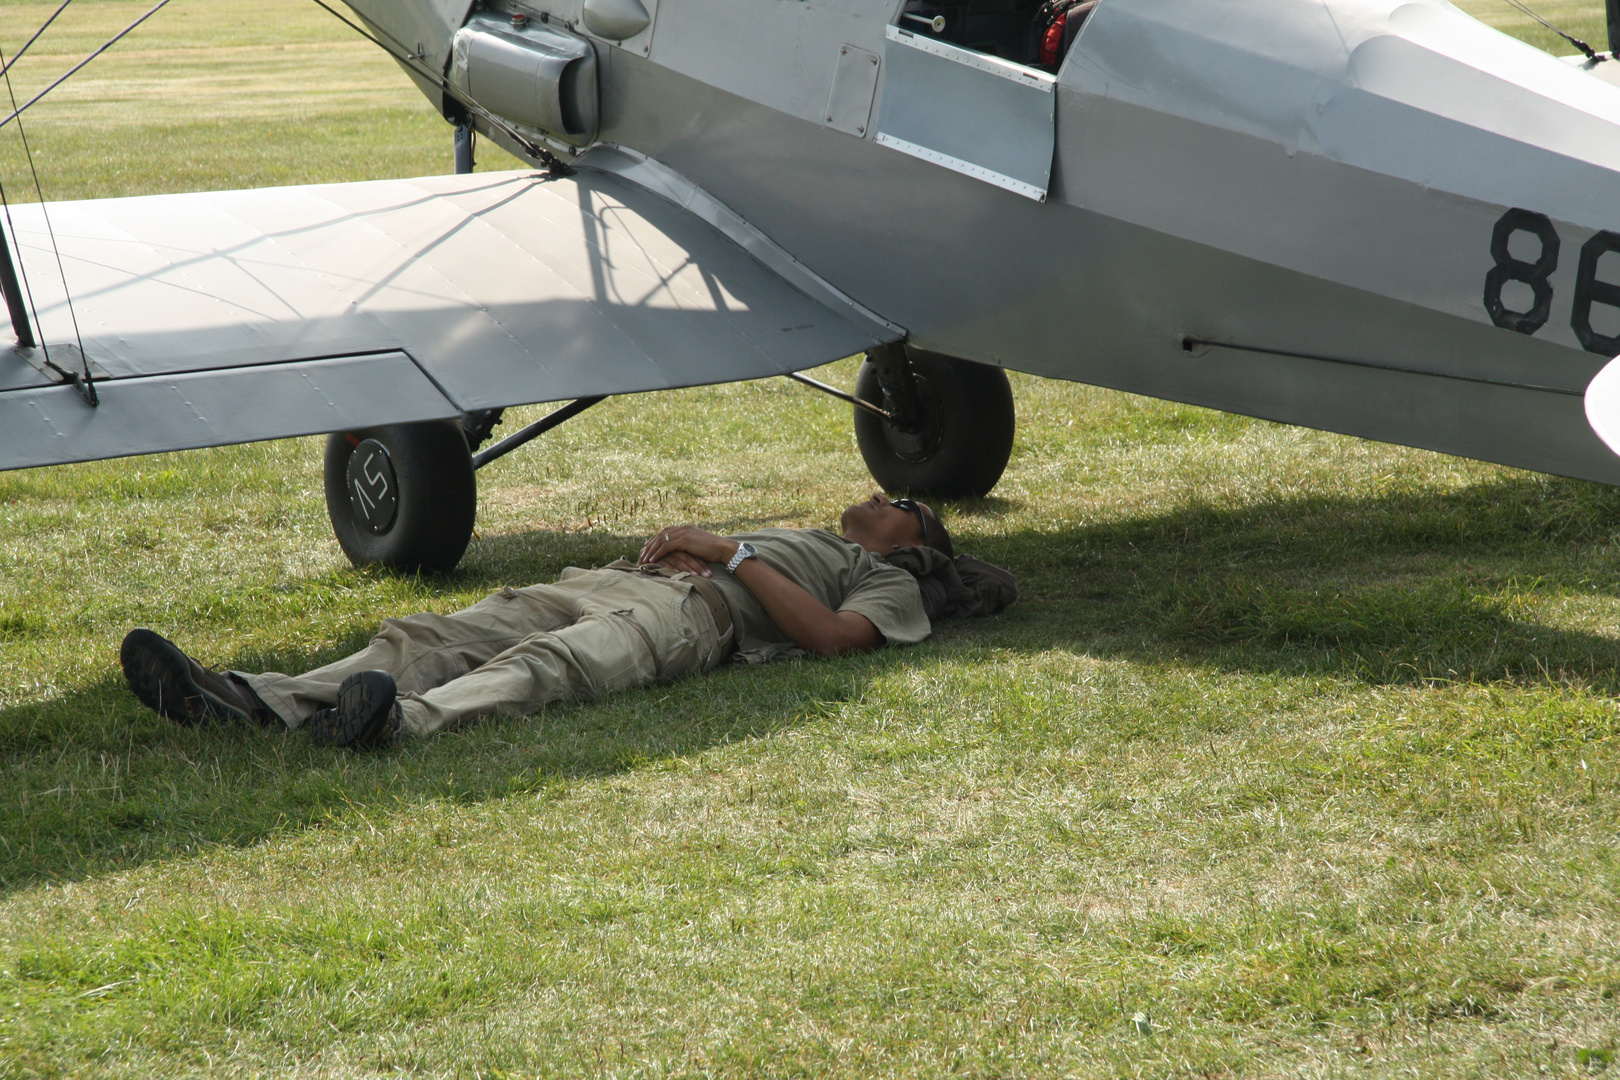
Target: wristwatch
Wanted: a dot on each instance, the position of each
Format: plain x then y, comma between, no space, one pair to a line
745,550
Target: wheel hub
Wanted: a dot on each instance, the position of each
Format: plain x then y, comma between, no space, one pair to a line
373,489
916,441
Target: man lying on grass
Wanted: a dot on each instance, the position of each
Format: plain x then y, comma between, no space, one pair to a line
693,600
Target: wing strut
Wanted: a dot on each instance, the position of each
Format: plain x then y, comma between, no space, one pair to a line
82,382
14,298
864,406
535,430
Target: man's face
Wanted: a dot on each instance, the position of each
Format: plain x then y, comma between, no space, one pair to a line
885,524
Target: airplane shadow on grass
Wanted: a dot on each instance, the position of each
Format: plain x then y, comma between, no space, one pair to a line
1395,588
1403,588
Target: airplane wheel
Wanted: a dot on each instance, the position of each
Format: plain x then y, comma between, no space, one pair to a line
961,431
402,496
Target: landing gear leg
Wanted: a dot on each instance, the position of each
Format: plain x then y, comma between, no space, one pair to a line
952,429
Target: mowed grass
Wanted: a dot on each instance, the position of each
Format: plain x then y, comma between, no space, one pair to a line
1580,19
1298,757
211,94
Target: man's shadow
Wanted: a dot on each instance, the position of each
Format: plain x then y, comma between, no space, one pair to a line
1403,587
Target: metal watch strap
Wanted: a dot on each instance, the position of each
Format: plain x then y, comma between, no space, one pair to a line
745,550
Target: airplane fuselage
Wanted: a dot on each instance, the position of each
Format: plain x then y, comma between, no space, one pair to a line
1371,217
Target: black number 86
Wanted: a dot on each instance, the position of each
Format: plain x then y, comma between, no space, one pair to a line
1588,289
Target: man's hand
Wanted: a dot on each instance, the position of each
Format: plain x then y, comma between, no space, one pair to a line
808,622
688,548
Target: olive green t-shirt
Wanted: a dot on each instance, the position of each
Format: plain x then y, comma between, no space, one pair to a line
842,575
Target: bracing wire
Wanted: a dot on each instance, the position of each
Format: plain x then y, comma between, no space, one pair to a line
1591,53
85,384
74,70
399,51
83,381
30,42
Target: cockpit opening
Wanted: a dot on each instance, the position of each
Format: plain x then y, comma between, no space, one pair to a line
1033,33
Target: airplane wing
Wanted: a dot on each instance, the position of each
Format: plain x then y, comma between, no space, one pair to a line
233,316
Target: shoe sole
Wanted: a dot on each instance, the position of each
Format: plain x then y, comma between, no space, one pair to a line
158,674
365,703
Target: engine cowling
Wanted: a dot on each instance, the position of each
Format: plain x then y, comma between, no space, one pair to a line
535,75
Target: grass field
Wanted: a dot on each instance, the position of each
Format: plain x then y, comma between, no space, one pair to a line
1298,758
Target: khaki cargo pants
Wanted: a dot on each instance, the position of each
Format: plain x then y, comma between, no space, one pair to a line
592,632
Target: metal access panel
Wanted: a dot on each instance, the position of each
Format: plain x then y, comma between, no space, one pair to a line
854,84
975,114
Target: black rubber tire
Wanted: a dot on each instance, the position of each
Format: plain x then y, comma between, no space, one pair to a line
966,436
436,492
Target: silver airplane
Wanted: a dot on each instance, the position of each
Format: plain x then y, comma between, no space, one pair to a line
1377,217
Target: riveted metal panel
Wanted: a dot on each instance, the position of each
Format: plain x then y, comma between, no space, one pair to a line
777,53
975,114
855,77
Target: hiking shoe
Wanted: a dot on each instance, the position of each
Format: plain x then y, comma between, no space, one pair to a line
367,714
175,686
